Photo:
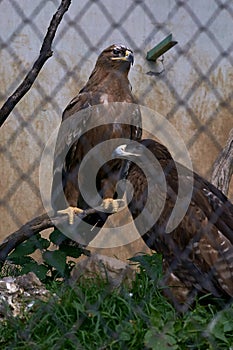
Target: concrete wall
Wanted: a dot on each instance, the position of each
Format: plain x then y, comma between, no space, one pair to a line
193,104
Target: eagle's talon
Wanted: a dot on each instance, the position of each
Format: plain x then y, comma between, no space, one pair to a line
112,205
71,211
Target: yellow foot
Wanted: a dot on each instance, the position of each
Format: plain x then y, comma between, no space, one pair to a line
112,205
71,211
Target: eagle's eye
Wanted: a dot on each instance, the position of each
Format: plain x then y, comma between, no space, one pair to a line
116,51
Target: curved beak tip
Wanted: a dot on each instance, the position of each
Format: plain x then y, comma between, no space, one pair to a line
131,58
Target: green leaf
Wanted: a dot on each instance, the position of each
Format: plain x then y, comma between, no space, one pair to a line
151,263
124,336
155,317
40,270
223,325
57,237
228,326
219,332
40,242
24,248
56,259
28,247
71,251
157,341
19,260
124,331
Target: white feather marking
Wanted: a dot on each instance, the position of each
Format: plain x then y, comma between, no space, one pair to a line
225,250
104,99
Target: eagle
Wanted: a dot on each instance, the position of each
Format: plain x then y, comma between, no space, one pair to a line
106,90
197,252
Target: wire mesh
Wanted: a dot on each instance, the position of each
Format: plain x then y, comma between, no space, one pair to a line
193,88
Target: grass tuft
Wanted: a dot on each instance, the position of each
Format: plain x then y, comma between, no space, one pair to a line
91,316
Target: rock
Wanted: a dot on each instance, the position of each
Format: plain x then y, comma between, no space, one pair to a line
18,294
114,271
29,281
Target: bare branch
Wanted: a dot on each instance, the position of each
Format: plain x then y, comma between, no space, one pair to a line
45,53
223,167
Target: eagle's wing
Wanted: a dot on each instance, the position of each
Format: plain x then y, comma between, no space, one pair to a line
198,252
69,132
83,113
81,101
216,207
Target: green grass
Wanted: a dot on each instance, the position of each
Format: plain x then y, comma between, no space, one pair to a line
90,316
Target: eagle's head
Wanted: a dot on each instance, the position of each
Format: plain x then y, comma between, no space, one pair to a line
116,57
140,150
129,151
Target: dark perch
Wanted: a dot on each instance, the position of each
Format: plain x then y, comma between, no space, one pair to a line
31,228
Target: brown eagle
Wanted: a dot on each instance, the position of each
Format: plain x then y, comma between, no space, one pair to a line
107,84
198,252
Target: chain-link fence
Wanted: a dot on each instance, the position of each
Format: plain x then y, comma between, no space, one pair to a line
191,85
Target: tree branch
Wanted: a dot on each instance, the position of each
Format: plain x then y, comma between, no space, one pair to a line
33,227
223,167
45,53
41,223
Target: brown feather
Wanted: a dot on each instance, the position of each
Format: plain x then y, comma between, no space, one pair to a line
198,253
107,83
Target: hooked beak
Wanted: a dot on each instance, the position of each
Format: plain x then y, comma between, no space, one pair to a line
129,56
